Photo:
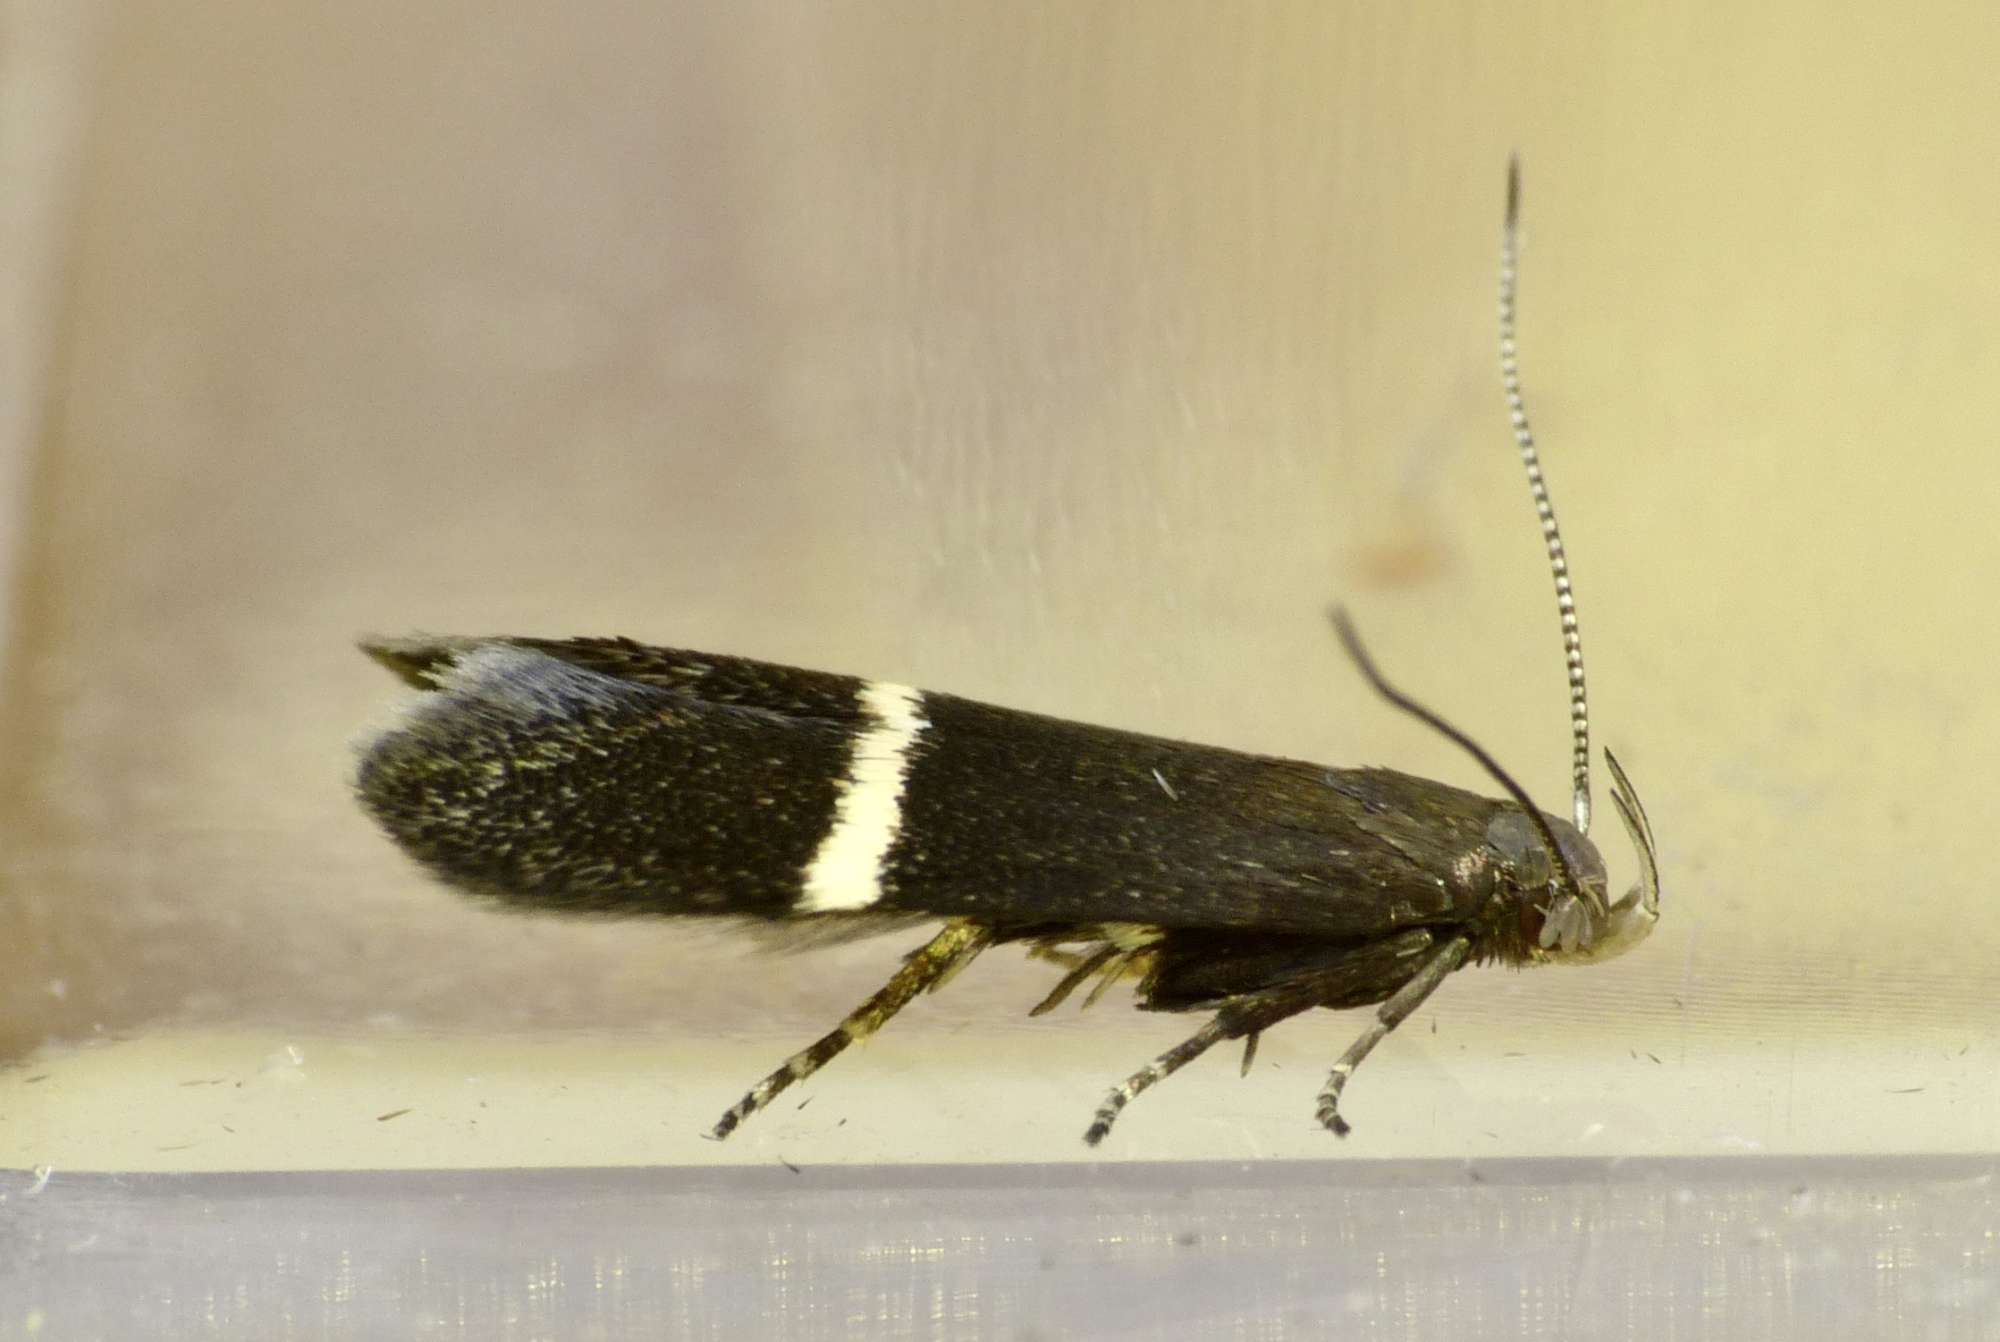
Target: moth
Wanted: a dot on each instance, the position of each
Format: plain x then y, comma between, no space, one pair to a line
608,777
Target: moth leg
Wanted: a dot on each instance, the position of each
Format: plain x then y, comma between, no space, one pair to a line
1113,971
1162,1067
1250,1017
1387,1017
948,952
1080,971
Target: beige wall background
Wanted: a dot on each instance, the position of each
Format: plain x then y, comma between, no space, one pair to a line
1068,355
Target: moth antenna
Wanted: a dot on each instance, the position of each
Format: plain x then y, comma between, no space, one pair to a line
1524,439
1352,642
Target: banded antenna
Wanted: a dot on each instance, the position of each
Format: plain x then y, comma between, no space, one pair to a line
1524,439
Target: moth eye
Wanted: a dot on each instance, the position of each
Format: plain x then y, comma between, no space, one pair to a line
1519,845
1534,867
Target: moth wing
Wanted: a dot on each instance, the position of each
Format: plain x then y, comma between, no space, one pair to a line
604,775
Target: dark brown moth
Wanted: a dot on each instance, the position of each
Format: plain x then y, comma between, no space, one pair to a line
603,776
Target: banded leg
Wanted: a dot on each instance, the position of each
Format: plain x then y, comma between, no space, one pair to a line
1249,1018
1162,1067
1387,1017
948,952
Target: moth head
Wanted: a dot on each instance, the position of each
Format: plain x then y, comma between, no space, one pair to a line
1559,877
1553,869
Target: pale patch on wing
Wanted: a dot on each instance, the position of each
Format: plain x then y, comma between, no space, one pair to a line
482,679
846,873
